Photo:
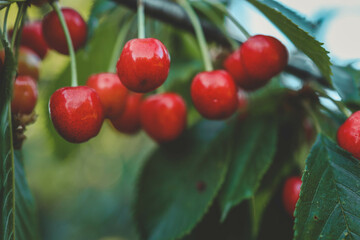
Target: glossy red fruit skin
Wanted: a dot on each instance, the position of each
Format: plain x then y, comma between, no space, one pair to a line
143,64
348,135
76,113
32,37
129,121
55,36
214,94
25,95
233,65
28,62
291,192
111,91
163,116
263,57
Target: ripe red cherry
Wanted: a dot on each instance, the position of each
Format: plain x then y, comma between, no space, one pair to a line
163,116
214,94
32,37
143,64
348,135
24,95
263,57
291,193
235,68
76,113
111,92
54,34
129,121
28,62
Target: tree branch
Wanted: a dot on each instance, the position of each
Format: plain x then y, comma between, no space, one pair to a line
172,13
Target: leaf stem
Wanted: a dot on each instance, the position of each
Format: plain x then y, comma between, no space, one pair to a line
199,34
309,110
12,165
17,24
220,7
119,43
338,104
5,23
141,18
57,8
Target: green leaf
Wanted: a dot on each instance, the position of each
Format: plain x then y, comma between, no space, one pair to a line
345,84
255,147
98,10
328,207
181,179
301,39
26,227
7,181
299,20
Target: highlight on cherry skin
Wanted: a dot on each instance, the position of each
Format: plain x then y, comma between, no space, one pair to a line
25,95
32,37
214,94
348,135
129,121
143,64
54,34
111,91
163,116
263,57
290,194
76,113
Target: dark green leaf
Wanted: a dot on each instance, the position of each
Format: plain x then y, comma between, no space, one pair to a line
180,181
345,84
255,147
7,191
301,39
299,20
26,227
329,202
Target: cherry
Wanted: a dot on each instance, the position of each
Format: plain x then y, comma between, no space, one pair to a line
54,34
291,193
28,62
235,68
111,92
24,95
129,121
32,37
263,57
163,116
214,94
143,64
348,135
76,113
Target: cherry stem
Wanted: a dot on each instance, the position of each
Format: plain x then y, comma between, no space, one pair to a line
220,7
141,18
338,104
119,43
199,34
57,8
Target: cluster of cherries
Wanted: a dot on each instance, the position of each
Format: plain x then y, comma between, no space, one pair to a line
78,112
143,66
